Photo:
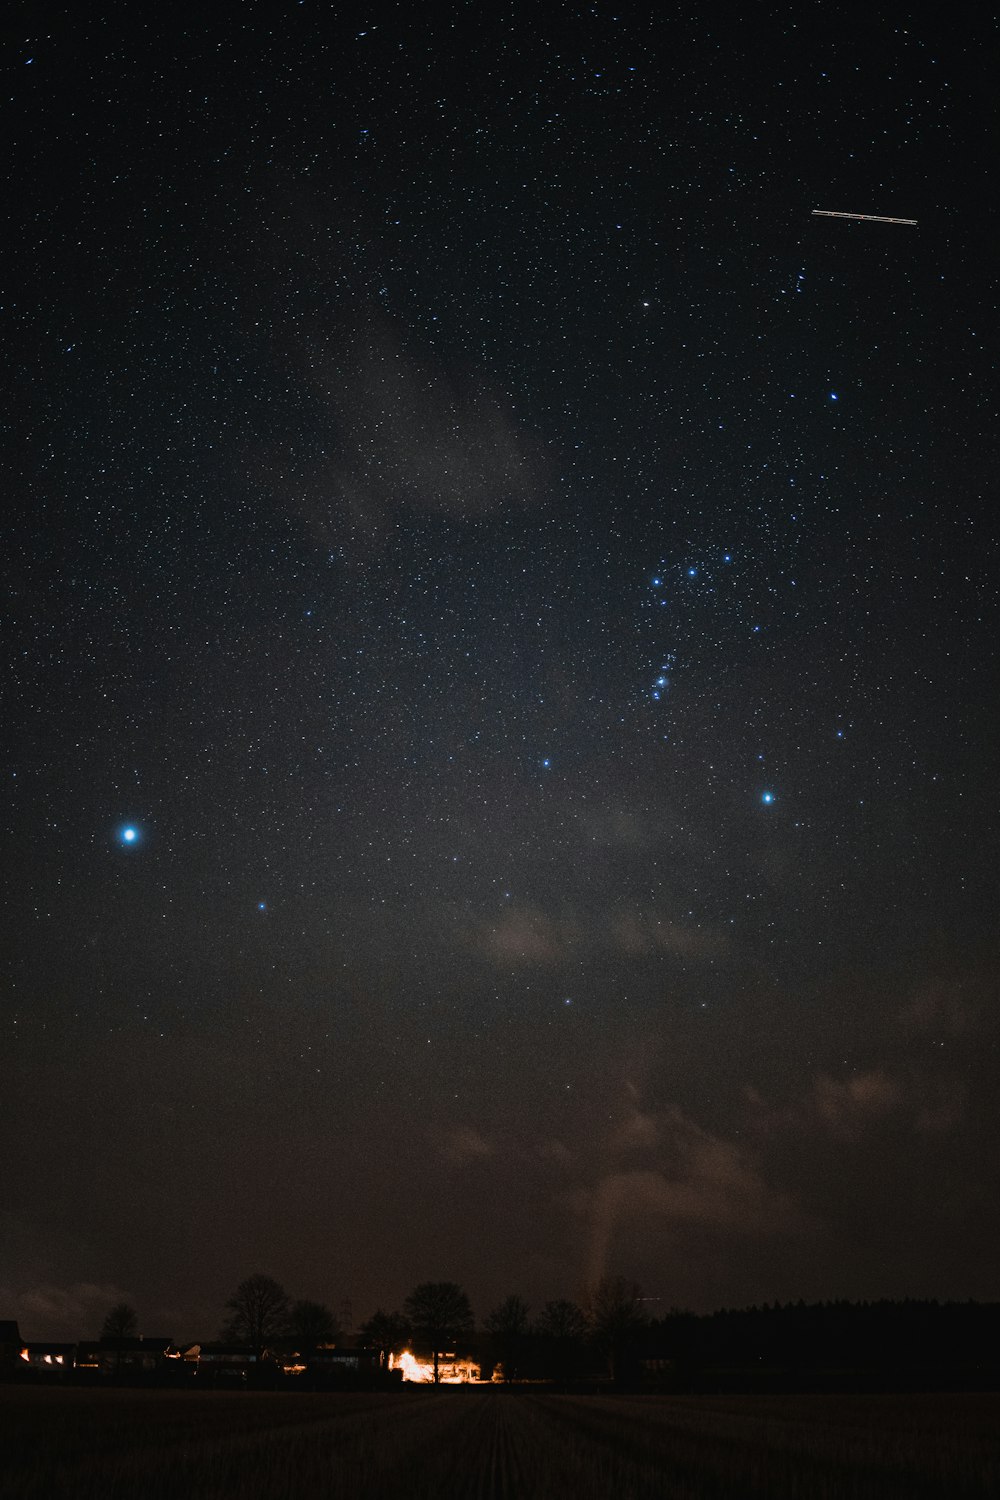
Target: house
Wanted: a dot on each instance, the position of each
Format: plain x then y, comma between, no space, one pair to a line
186,1354
335,1361
231,1364
123,1358
11,1346
341,1366
51,1359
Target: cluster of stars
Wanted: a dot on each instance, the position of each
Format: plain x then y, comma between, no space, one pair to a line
678,584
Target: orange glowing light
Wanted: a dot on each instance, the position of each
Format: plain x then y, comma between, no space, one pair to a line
451,1371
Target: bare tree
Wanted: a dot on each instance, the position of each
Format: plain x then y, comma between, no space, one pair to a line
439,1314
312,1323
508,1326
121,1322
389,1333
615,1314
562,1329
562,1320
259,1312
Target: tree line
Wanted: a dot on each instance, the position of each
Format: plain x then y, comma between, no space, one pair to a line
610,1334
435,1319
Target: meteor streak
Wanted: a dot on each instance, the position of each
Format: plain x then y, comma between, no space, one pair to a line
833,213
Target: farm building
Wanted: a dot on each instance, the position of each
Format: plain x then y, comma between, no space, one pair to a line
339,1361
123,1357
11,1344
230,1364
58,1359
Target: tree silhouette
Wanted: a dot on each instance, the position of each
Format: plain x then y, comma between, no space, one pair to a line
562,1320
389,1333
259,1311
508,1325
615,1314
121,1322
439,1314
312,1323
562,1328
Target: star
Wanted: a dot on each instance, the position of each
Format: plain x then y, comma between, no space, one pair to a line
767,798
129,834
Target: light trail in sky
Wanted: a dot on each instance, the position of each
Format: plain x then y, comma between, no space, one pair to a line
833,213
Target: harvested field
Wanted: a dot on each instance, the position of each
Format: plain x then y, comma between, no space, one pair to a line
484,1442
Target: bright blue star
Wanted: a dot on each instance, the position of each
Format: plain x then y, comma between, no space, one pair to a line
262,906
767,798
657,582
834,396
727,557
692,572
129,834
546,763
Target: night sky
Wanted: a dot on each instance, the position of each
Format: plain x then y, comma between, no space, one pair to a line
499,694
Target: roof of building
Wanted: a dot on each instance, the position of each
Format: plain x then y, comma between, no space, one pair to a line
137,1346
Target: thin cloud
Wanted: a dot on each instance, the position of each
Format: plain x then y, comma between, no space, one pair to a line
394,431
847,1106
639,934
48,1311
667,1174
848,1109
951,1008
528,935
555,1152
463,1144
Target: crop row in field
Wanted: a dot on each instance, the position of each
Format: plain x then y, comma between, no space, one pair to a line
121,1445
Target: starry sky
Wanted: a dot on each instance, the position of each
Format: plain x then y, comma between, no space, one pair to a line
499,699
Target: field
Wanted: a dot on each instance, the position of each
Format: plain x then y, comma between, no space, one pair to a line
479,1443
